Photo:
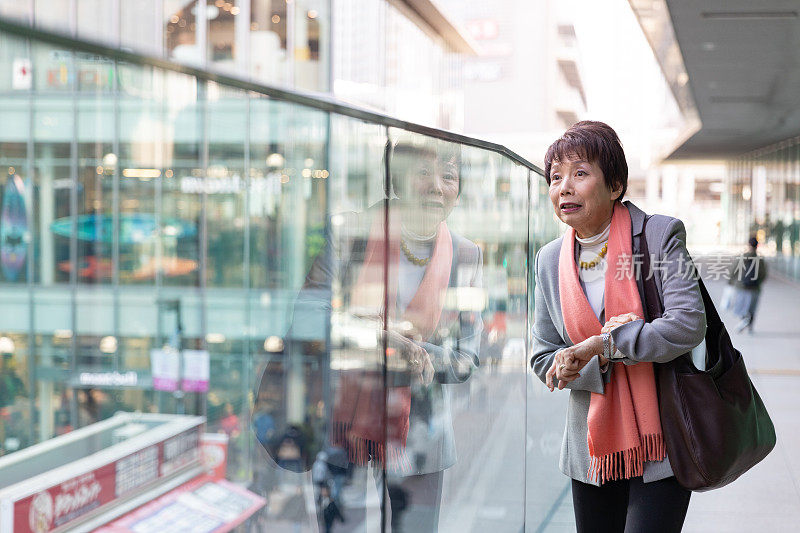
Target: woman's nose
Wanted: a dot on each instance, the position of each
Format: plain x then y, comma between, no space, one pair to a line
435,184
566,186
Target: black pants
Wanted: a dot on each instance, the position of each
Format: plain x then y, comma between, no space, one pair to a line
630,506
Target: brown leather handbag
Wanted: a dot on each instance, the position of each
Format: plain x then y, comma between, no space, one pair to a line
715,425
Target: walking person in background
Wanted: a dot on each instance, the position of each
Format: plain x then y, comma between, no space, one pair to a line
777,232
747,274
794,235
589,336
329,509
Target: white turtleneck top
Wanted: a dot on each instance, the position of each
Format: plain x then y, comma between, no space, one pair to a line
410,275
593,280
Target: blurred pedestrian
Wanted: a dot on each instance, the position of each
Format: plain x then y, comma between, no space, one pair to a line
263,423
747,273
336,458
230,422
330,511
320,475
777,232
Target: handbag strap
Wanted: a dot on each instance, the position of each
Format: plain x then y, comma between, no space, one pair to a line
651,300
651,304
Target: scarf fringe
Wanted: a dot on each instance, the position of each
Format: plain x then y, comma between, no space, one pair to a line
361,450
629,463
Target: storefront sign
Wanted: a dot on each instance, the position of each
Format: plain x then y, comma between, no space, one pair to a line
108,379
67,502
271,183
59,505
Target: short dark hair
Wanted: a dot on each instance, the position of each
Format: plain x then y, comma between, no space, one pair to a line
418,145
596,142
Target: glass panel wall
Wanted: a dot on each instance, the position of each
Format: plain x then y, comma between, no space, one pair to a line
333,310
283,42
763,200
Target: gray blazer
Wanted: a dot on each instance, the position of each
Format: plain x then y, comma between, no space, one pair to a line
681,328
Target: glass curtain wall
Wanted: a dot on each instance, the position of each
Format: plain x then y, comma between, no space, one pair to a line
284,42
763,200
347,303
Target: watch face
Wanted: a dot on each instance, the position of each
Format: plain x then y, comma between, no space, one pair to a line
606,345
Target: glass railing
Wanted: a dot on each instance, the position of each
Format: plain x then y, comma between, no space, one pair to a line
232,306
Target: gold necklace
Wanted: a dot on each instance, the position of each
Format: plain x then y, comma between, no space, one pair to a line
411,257
592,264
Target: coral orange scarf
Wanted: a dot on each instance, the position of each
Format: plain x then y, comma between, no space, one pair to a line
366,422
624,424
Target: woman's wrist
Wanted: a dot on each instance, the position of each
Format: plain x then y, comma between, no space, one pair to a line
598,345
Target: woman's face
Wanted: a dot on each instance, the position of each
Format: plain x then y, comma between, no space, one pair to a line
428,187
580,196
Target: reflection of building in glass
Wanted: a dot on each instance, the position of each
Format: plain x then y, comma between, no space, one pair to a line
273,41
156,228
402,57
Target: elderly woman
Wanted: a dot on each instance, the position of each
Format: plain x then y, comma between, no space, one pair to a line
590,335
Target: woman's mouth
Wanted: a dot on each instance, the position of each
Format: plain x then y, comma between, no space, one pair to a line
569,207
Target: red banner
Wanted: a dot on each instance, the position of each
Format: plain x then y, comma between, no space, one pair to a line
66,502
59,505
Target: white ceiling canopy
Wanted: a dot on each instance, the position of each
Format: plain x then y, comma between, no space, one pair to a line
742,68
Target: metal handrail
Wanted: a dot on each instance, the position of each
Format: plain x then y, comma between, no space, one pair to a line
319,101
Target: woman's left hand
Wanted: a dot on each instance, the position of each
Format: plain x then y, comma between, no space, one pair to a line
617,321
568,363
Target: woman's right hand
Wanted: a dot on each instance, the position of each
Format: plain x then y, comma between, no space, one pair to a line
417,359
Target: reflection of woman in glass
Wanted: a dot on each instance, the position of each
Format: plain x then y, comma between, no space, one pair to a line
401,273
430,342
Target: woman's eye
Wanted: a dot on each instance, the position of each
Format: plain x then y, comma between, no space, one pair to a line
554,178
581,173
450,177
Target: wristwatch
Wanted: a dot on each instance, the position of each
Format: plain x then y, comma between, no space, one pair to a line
609,350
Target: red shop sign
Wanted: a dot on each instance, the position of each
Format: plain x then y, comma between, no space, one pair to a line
56,506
